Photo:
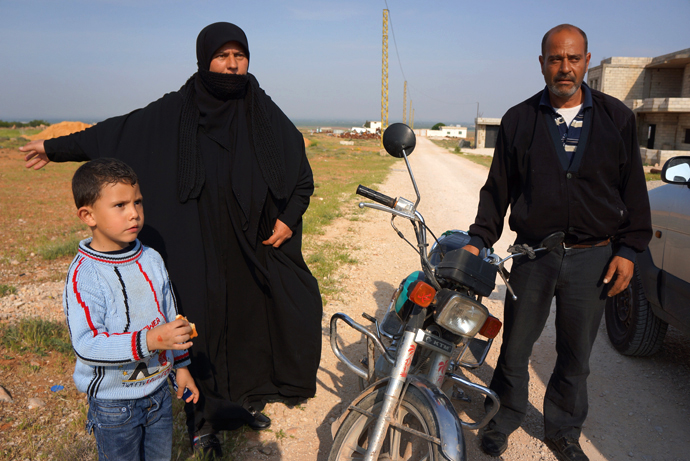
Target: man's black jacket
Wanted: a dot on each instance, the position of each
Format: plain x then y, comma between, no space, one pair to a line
601,194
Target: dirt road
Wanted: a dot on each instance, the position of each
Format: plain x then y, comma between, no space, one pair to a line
638,407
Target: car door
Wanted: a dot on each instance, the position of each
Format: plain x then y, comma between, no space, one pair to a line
670,249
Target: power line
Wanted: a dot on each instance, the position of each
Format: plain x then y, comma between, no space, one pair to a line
395,43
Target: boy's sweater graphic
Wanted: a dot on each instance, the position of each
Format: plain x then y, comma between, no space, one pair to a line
111,300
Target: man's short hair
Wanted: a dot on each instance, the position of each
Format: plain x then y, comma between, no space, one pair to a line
91,177
558,29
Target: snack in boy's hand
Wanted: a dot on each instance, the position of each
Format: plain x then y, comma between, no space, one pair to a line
194,333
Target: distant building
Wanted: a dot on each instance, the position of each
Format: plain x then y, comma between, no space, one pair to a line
368,127
486,132
658,92
456,131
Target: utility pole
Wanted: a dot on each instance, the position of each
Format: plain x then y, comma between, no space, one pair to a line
384,76
411,116
405,104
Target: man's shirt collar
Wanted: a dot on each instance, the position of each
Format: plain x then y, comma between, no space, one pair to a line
545,101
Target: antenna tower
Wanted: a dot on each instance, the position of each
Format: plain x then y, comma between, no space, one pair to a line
384,75
405,104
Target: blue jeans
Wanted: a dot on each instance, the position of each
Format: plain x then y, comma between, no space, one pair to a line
133,430
575,278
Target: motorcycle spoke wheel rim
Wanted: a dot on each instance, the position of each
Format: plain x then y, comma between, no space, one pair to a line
397,446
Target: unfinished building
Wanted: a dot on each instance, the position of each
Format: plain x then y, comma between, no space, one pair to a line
658,92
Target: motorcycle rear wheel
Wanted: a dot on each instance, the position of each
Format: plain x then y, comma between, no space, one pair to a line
352,438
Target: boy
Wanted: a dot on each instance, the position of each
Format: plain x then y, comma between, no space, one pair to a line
121,311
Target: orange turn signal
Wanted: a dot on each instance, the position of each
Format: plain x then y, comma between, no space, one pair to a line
491,327
421,293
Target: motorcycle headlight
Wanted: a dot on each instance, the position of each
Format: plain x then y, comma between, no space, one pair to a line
460,314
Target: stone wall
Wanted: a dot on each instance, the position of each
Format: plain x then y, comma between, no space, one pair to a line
658,156
664,83
683,126
623,82
685,91
594,77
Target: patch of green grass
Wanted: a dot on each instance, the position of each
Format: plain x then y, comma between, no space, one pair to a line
337,171
484,160
36,335
7,290
280,435
17,137
652,176
58,249
78,446
324,259
451,144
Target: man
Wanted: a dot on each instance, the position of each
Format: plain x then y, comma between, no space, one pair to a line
566,159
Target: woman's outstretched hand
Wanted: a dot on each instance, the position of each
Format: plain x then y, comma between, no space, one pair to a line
35,155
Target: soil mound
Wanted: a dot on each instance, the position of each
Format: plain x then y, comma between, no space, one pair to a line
60,129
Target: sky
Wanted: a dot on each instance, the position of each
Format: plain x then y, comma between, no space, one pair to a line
320,61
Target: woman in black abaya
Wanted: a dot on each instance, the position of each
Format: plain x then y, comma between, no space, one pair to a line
226,181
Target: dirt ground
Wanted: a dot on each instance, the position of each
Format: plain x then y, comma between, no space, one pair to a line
638,406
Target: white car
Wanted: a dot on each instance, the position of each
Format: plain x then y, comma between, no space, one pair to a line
659,292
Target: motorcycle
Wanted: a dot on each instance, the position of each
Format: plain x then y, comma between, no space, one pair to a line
435,324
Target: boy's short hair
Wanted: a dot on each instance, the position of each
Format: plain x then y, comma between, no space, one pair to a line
90,178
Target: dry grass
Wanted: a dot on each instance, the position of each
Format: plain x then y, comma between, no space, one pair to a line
36,209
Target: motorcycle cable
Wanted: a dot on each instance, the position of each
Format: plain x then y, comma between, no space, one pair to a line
401,235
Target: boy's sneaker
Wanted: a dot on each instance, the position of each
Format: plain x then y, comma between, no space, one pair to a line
207,447
566,448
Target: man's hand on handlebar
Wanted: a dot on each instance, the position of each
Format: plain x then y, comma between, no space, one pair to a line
472,249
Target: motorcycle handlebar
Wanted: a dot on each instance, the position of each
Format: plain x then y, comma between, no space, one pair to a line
376,196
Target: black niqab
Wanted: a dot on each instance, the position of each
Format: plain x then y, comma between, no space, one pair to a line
215,96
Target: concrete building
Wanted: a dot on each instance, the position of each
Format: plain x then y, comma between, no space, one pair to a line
486,132
658,91
456,131
368,127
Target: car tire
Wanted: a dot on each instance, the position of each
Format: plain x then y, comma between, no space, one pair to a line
632,327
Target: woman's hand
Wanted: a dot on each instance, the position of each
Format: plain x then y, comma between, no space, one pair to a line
35,155
281,233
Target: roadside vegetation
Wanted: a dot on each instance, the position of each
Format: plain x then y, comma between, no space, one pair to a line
13,135
338,169
452,145
41,232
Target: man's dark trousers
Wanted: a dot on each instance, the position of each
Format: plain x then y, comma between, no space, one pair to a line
575,278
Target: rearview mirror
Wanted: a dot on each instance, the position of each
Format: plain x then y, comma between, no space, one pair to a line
676,171
399,137
553,241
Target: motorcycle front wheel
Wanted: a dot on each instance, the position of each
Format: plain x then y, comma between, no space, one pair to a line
352,439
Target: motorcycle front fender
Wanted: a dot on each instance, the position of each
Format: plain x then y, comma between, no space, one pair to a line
450,429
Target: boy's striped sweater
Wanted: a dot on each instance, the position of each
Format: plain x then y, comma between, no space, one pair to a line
111,300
